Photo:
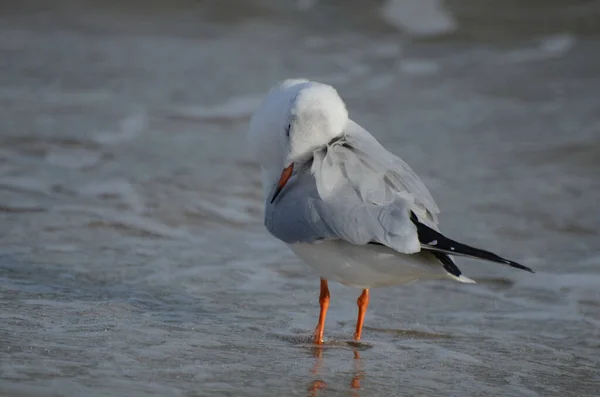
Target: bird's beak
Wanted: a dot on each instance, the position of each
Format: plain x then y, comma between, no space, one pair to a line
285,176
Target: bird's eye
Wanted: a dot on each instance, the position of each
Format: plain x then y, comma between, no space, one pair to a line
287,130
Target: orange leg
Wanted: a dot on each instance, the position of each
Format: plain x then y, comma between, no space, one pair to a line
363,302
324,302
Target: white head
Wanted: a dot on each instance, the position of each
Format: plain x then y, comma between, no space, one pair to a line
296,118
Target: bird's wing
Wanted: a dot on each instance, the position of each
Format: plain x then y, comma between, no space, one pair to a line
398,175
355,190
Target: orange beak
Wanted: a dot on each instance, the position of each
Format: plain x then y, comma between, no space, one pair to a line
285,176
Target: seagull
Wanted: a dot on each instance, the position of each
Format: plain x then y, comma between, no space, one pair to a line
346,206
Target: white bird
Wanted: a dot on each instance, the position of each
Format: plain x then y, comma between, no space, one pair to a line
353,211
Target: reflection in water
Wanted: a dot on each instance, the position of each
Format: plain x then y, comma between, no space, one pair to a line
315,386
319,384
358,374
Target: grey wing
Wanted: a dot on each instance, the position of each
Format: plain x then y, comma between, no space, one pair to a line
301,214
294,216
399,176
355,191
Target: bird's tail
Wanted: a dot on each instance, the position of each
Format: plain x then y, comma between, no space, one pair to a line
436,242
451,268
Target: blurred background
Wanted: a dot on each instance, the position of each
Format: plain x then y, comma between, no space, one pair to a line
133,259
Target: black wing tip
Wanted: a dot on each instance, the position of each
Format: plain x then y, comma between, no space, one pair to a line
451,247
518,266
448,264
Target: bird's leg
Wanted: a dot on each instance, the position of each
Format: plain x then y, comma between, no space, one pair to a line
324,302
362,302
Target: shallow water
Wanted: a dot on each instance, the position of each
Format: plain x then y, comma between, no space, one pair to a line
133,260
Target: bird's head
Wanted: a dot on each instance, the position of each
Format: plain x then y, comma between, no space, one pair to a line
296,118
